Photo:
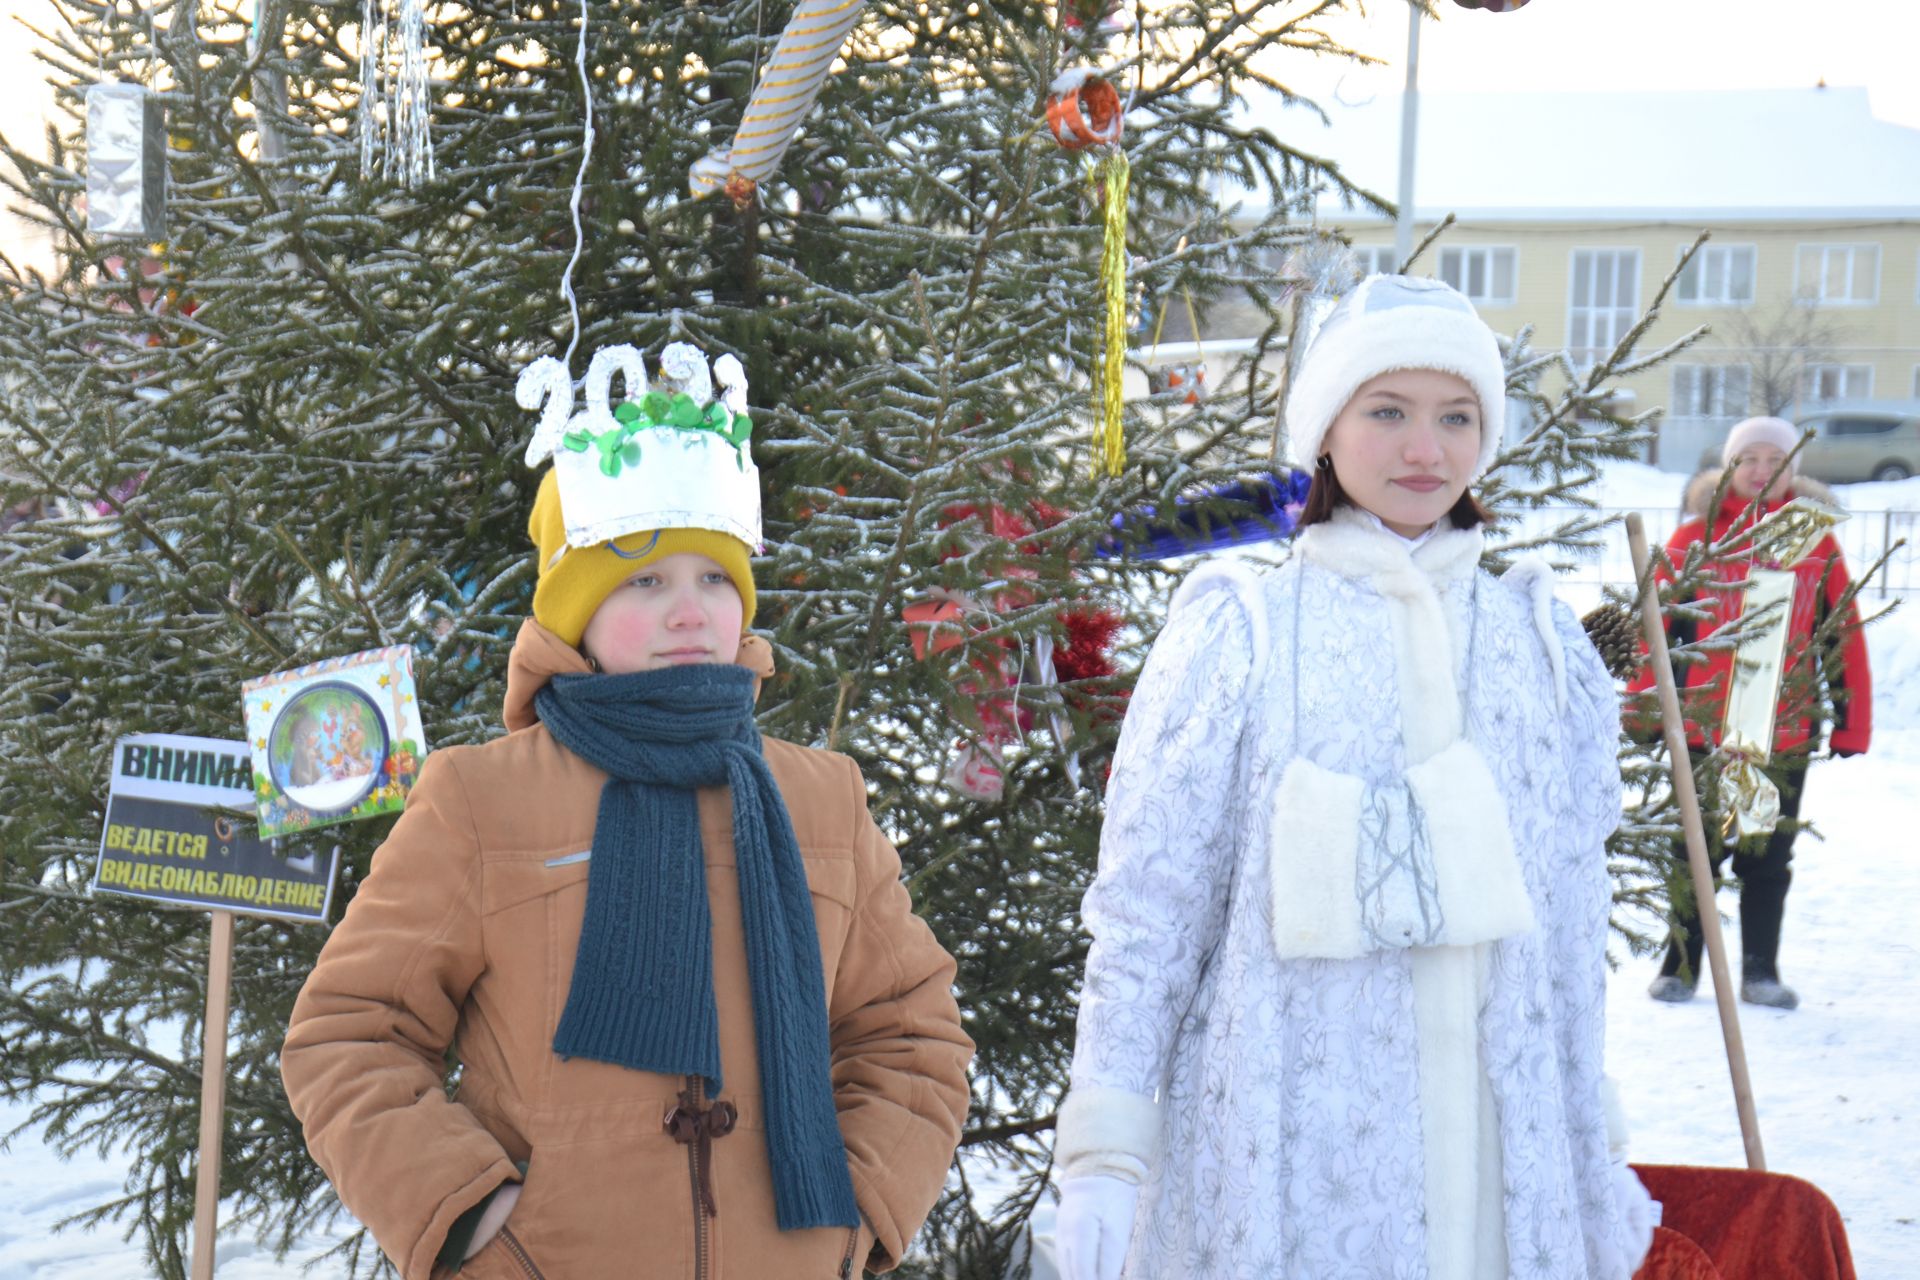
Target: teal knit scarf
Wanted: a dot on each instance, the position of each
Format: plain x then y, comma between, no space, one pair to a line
642,993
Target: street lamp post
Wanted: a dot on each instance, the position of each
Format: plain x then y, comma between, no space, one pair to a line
1409,128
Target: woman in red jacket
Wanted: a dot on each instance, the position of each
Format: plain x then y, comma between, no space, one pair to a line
1760,483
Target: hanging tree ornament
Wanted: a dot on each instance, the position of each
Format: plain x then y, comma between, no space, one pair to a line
1105,15
1318,272
993,677
394,93
1110,176
794,77
1084,112
1188,378
1492,6
126,162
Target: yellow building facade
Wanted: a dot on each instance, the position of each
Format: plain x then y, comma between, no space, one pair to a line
1572,209
1797,314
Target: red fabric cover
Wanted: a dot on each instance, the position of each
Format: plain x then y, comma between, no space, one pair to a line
1674,1257
1819,581
1754,1226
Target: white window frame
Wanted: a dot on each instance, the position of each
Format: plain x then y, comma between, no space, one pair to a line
1701,268
1814,291
1845,372
1486,256
1613,318
1710,391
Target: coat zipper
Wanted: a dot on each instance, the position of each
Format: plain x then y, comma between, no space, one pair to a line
519,1253
846,1262
695,1124
698,1086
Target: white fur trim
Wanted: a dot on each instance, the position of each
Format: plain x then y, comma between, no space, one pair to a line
1388,323
1236,579
1429,699
1534,576
1313,851
1482,893
1490,1211
1616,1118
1446,1015
1106,1130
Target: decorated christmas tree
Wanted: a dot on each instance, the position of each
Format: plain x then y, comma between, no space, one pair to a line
282,427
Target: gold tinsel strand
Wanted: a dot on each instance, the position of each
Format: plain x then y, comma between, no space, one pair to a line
1109,445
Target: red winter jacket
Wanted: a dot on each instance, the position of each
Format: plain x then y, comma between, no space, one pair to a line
1820,580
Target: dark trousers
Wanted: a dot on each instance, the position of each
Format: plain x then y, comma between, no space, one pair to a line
1764,868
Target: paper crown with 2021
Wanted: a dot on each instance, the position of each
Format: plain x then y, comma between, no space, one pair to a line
670,455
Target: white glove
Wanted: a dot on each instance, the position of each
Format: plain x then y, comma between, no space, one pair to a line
1094,1224
1639,1213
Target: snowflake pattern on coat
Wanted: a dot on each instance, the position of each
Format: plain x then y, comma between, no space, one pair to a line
1291,1144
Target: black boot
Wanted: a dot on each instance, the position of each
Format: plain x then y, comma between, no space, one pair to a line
1763,905
1680,970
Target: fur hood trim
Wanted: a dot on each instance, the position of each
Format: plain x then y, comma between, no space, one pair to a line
1701,488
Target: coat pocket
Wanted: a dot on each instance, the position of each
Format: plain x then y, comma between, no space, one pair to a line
505,1257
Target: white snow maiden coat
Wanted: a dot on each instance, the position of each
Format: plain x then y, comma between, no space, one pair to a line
1299,1091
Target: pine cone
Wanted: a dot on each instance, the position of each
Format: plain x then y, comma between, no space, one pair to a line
1615,633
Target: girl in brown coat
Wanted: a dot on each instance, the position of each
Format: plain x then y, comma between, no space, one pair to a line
701,1031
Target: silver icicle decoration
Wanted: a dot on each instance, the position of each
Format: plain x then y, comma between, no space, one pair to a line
394,97
126,162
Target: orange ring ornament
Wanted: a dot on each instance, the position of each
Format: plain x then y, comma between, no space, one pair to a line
1083,110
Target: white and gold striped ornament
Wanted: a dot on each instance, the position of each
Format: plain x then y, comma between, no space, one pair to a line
794,76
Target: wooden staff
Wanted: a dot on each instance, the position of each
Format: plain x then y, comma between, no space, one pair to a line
1703,889
213,1098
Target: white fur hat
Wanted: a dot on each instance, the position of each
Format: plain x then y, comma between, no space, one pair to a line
1773,431
1388,323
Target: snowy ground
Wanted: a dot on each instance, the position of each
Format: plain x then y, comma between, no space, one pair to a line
1834,1080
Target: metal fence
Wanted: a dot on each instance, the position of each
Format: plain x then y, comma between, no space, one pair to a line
1864,537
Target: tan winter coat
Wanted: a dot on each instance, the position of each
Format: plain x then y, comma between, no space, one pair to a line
464,934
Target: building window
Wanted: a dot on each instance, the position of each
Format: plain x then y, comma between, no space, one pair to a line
1375,259
1827,383
1486,276
1843,274
1719,275
1710,390
1605,302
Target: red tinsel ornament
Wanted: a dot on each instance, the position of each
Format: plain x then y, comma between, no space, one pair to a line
989,675
1088,652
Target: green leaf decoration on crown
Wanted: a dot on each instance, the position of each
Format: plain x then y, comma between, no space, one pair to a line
618,449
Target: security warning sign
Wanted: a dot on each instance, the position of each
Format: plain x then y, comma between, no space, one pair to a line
180,829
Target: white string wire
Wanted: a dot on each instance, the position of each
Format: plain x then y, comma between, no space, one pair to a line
573,204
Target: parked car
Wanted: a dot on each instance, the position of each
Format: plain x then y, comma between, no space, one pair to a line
1851,444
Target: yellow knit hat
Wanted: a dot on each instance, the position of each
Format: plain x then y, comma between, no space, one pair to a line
574,580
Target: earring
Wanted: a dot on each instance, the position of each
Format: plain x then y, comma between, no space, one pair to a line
1324,462
593,664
